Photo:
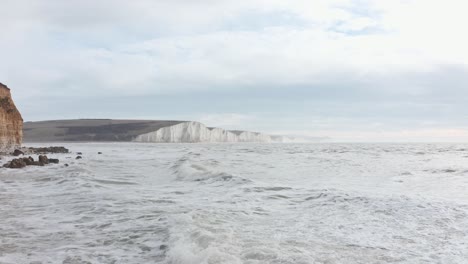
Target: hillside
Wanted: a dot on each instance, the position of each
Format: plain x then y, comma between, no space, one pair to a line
109,130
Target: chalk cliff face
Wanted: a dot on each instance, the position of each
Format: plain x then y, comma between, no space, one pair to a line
192,132
11,122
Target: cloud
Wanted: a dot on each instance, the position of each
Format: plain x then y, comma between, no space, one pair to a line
227,120
369,61
112,47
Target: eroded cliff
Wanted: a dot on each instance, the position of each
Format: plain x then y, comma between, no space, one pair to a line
11,122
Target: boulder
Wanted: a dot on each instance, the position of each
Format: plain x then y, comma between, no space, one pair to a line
29,160
79,157
43,159
17,152
15,164
55,161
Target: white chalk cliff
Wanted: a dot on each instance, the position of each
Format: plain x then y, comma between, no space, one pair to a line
193,132
158,131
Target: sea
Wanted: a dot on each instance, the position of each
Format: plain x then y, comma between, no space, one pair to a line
238,203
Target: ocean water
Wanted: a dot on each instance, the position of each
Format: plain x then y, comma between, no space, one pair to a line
239,203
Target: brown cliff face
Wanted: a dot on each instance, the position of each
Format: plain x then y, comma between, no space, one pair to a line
11,122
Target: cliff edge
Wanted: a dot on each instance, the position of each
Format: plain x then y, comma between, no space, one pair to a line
11,122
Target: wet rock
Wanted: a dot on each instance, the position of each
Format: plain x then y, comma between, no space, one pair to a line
43,159
17,152
55,161
78,157
49,150
37,163
15,164
29,160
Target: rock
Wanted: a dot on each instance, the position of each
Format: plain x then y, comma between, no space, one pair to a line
66,165
99,153
49,150
79,153
79,157
15,164
17,152
55,161
11,122
29,160
37,163
43,159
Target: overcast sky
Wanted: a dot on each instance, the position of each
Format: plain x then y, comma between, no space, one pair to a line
352,70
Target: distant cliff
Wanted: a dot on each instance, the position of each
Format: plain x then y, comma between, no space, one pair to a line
193,132
92,130
11,122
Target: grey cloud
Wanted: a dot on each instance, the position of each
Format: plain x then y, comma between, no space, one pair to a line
189,59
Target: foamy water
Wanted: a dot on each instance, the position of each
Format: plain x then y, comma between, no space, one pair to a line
243,203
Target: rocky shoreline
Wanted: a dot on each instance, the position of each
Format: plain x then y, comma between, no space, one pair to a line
18,163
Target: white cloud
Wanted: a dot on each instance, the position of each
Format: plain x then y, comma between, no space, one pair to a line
55,48
410,36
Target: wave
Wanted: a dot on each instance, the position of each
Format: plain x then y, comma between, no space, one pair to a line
185,169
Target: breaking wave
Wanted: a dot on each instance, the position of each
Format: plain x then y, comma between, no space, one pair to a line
220,203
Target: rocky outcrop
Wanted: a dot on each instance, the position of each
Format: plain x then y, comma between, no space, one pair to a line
29,161
11,122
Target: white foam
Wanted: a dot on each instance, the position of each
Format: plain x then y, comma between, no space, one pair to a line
281,203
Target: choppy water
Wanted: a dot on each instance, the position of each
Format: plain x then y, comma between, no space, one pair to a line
246,203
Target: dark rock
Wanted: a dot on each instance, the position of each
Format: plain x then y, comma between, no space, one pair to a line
79,153
66,165
79,157
162,247
49,150
43,159
37,163
55,161
29,160
15,164
99,153
17,152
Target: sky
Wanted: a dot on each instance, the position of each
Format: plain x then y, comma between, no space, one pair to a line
347,70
